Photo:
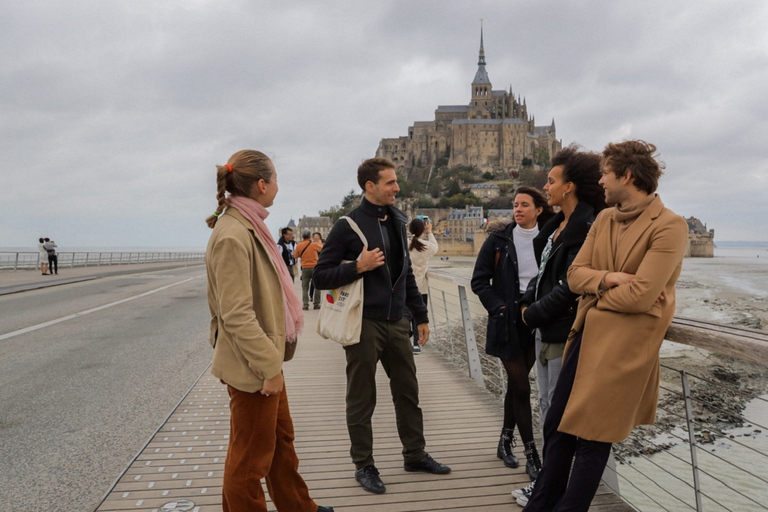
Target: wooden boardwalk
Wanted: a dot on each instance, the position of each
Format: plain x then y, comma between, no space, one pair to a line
181,467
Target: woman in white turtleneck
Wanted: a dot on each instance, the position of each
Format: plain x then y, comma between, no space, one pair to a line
505,265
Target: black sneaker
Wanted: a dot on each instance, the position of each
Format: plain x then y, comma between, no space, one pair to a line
324,509
427,465
416,349
368,477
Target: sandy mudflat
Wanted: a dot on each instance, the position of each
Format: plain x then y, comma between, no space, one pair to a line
731,288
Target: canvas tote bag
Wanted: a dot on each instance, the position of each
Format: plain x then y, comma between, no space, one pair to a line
341,310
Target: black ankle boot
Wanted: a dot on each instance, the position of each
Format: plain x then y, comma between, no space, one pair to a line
504,451
533,464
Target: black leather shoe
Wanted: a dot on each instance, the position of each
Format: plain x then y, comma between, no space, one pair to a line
427,465
324,509
368,477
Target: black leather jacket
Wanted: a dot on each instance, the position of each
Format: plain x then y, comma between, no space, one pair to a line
382,300
551,304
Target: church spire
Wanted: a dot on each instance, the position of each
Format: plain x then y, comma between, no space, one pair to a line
481,77
481,58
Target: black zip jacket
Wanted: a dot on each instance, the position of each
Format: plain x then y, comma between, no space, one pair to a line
497,284
551,304
382,300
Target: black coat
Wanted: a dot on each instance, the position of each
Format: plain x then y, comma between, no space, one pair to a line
551,304
497,285
382,300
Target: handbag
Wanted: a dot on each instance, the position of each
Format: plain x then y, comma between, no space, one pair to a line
341,309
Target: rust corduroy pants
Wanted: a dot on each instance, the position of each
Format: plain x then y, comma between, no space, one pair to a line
261,447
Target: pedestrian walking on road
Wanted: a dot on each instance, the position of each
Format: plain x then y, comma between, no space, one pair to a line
43,257
256,318
53,258
307,251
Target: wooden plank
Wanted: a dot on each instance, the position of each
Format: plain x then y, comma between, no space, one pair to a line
462,421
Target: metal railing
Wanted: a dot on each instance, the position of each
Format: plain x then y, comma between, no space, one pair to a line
703,452
14,261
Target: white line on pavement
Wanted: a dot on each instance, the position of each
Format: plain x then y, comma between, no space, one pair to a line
92,310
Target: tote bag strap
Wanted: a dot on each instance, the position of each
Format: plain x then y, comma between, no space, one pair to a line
357,230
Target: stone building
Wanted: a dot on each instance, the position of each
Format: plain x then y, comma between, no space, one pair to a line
485,191
701,243
494,132
320,225
507,214
461,224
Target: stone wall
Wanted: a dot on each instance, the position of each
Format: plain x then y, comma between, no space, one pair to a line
701,245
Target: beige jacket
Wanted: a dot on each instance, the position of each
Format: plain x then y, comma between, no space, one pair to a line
420,262
617,379
245,300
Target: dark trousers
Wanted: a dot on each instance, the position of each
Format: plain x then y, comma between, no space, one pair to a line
53,262
554,492
291,272
388,342
306,296
261,447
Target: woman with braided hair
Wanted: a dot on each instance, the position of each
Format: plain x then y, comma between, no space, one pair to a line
252,333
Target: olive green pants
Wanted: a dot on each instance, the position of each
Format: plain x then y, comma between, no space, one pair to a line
388,342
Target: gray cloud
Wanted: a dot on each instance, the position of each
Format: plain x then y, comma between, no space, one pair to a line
115,114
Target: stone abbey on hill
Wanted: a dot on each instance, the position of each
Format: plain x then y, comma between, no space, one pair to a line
493,133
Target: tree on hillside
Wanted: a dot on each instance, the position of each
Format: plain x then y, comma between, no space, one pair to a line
541,157
501,203
434,188
424,202
349,198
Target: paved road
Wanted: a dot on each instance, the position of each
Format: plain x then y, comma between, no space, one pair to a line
88,371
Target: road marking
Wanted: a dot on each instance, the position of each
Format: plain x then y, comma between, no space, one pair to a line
92,310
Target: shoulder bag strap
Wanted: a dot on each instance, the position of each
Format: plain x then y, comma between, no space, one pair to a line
304,249
357,230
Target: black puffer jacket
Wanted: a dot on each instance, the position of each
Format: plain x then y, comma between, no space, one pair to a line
551,304
382,300
497,284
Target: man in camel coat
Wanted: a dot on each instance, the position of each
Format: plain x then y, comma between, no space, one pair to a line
625,273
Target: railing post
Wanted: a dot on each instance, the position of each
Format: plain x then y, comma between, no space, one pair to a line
86,258
691,439
610,476
473,358
447,323
431,308
16,263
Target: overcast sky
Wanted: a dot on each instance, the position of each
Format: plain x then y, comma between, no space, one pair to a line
114,114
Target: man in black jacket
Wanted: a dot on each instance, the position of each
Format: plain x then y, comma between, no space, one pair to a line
287,245
389,287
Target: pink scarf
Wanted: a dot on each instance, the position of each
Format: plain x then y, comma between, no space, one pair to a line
255,213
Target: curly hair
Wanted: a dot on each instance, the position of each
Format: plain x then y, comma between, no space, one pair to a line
638,157
582,168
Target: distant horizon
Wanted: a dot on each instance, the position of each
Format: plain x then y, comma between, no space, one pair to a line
167,248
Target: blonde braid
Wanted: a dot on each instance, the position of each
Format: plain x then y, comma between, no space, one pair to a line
221,183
